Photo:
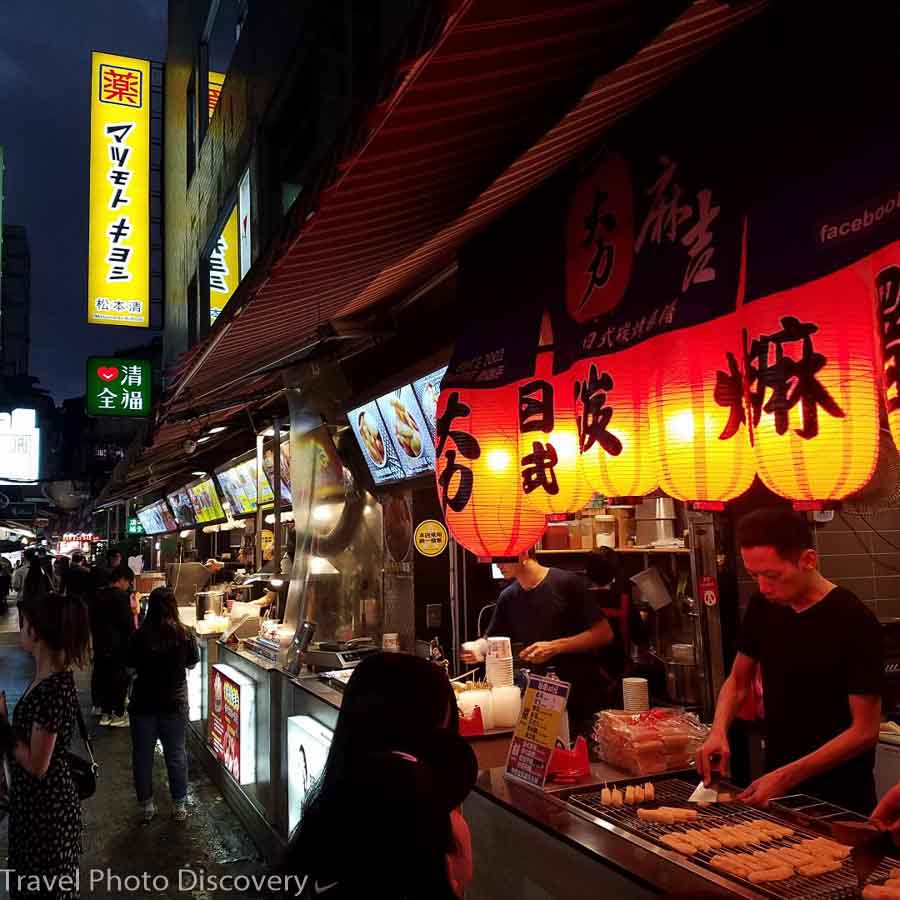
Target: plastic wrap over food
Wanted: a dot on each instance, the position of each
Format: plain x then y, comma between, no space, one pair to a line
659,740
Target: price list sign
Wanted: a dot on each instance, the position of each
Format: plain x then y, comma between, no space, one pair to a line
537,730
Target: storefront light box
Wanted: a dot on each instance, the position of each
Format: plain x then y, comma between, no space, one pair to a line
396,431
231,728
308,744
20,447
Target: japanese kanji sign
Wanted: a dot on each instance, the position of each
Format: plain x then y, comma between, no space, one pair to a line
224,267
216,80
119,228
118,387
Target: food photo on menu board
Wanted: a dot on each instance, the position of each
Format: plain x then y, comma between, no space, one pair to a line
238,484
205,500
269,468
180,503
165,514
150,520
379,451
407,430
427,391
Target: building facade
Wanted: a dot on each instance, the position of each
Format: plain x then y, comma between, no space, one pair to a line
255,95
15,302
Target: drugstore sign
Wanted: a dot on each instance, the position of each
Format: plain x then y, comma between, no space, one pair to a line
119,225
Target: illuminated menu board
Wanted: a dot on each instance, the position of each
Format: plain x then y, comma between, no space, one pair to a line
396,432
205,500
238,484
157,518
180,503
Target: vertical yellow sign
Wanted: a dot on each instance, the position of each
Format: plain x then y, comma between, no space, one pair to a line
216,80
119,229
224,269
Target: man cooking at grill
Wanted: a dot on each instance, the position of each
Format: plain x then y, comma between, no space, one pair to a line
557,618
821,658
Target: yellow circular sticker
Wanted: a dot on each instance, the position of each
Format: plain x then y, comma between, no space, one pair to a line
431,538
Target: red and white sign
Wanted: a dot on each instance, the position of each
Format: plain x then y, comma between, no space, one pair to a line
231,732
709,590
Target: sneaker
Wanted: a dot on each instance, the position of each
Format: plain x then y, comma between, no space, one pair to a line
180,810
96,711
119,721
105,719
148,811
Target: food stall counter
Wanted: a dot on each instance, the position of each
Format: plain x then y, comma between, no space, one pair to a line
552,842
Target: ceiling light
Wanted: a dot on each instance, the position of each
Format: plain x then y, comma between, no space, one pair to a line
203,440
198,473
218,429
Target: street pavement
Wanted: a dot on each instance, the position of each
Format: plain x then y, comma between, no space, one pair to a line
116,844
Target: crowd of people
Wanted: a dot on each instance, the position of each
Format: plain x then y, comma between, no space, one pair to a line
72,616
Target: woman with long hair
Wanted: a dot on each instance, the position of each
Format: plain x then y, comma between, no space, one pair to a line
398,761
44,808
161,650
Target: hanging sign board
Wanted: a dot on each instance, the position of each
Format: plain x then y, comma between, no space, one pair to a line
118,387
119,224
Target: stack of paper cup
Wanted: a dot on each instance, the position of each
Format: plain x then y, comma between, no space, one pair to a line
636,694
499,662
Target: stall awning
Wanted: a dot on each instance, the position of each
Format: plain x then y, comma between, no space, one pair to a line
509,92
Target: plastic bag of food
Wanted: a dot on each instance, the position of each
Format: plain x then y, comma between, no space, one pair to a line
659,740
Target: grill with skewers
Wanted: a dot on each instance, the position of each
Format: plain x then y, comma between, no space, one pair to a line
675,792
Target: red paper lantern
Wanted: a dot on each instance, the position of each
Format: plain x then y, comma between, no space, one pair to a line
612,411
697,418
812,370
552,471
884,274
479,475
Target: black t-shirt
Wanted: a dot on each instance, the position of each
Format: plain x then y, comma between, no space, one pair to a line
112,622
561,606
160,686
812,662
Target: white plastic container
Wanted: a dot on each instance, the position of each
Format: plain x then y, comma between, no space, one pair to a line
468,700
605,531
507,706
652,587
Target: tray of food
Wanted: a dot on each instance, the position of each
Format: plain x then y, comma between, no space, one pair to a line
756,849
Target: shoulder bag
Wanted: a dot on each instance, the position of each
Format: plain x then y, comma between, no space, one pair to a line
84,771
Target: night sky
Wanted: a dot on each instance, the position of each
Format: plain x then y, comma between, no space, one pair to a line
45,81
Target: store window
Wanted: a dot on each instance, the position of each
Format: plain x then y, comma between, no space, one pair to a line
224,33
231,255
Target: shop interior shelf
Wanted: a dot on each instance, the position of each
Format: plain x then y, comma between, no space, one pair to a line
618,550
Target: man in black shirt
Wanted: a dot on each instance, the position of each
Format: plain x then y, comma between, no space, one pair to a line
555,615
821,656
112,625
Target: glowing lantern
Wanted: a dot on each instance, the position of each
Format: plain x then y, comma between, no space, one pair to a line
697,418
611,398
552,473
812,373
884,272
478,473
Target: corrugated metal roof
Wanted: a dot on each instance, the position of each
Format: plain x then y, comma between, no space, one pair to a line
506,96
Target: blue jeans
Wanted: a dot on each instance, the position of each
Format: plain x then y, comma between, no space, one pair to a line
172,732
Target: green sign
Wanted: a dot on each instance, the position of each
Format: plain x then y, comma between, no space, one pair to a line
118,387
134,525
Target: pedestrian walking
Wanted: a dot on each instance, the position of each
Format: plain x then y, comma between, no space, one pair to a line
112,626
18,578
44,808
161,650
5,583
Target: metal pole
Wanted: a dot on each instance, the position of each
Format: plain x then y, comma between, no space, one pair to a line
258,563
276,490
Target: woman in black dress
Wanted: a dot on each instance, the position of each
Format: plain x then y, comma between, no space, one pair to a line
44,808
